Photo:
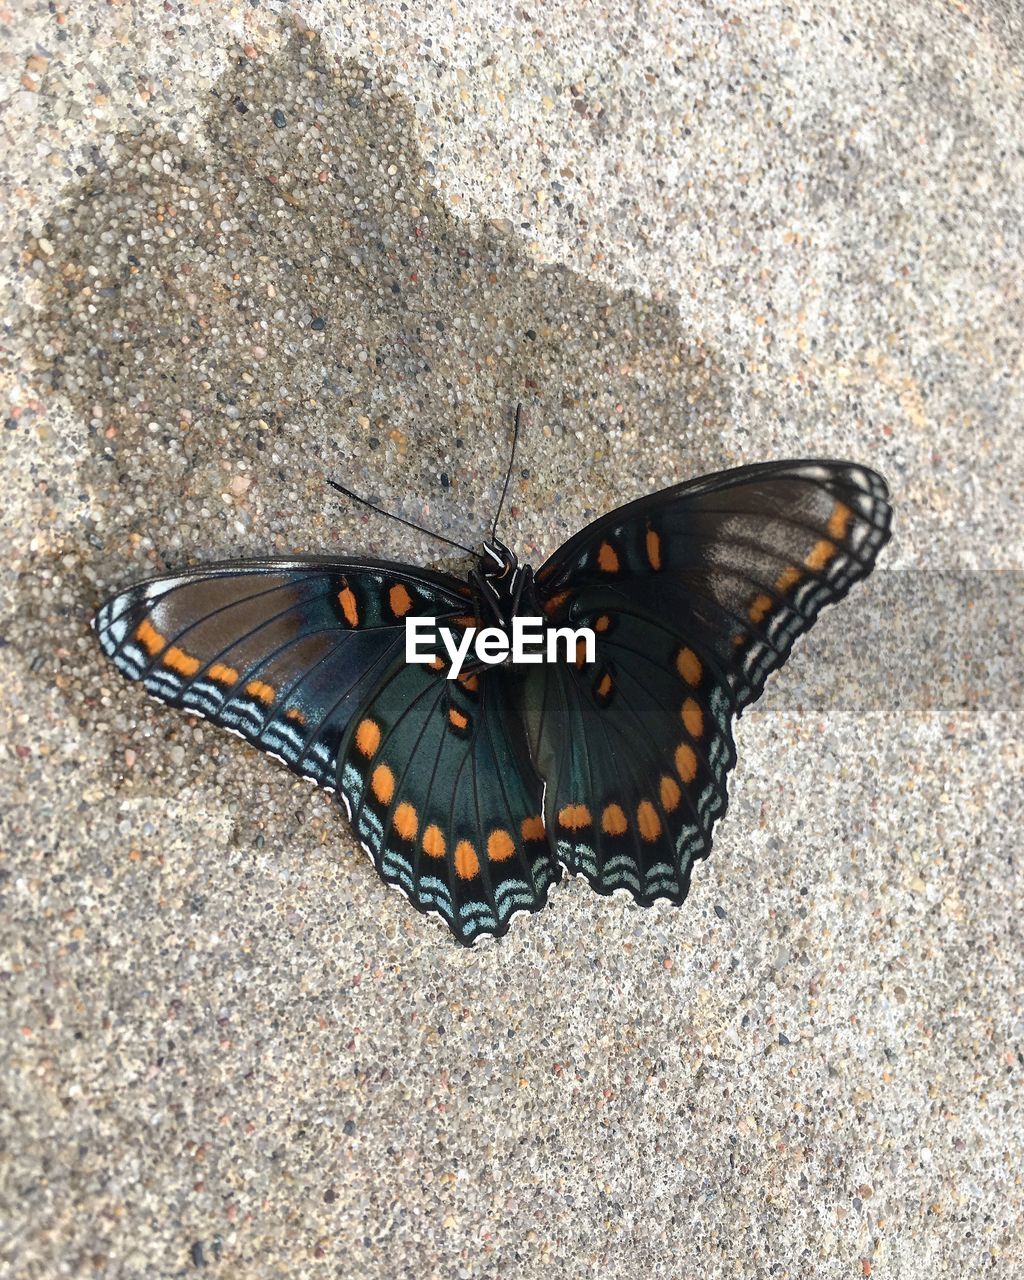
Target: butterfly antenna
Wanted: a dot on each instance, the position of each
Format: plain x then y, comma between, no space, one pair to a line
508,473
409,524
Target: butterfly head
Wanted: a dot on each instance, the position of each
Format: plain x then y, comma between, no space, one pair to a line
497,561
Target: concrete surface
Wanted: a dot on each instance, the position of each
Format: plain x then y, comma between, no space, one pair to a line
686,236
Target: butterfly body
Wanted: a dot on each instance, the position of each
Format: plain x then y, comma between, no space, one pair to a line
472,794
502,588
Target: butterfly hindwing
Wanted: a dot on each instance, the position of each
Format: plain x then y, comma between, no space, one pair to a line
634,748
444,799
696,595
280,652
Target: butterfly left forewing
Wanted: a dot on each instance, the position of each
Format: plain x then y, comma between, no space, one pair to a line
280,652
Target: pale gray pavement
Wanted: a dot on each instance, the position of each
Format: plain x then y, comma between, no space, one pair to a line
687,236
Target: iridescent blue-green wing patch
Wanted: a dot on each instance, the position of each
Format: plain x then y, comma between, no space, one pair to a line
696,594
281,652
443,797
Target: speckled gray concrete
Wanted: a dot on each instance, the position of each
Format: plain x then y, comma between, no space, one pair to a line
687,236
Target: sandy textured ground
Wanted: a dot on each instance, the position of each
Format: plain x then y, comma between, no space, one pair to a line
243,254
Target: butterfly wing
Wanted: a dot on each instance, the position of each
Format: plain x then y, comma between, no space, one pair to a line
306,659
281,652
443,797
696,595
634,755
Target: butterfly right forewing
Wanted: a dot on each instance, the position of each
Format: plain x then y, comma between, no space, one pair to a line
742,561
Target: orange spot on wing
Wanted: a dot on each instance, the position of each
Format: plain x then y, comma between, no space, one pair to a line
574,817
607,558
602,623
400,600
688,666
653,549
437,664
613,820
382,784
758,607
223,674
839,521
581,653
670,793
500,846
148,636
467,864
349,606
532,828
686,762
405,821
293,713
433,842
178,660
456,719
820,555
261,691
647,820
693,717
556,601
368,738
604,688
469,683
787,579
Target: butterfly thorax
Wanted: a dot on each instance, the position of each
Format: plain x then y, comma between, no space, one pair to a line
502,587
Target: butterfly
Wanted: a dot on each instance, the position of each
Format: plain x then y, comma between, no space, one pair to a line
472,794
